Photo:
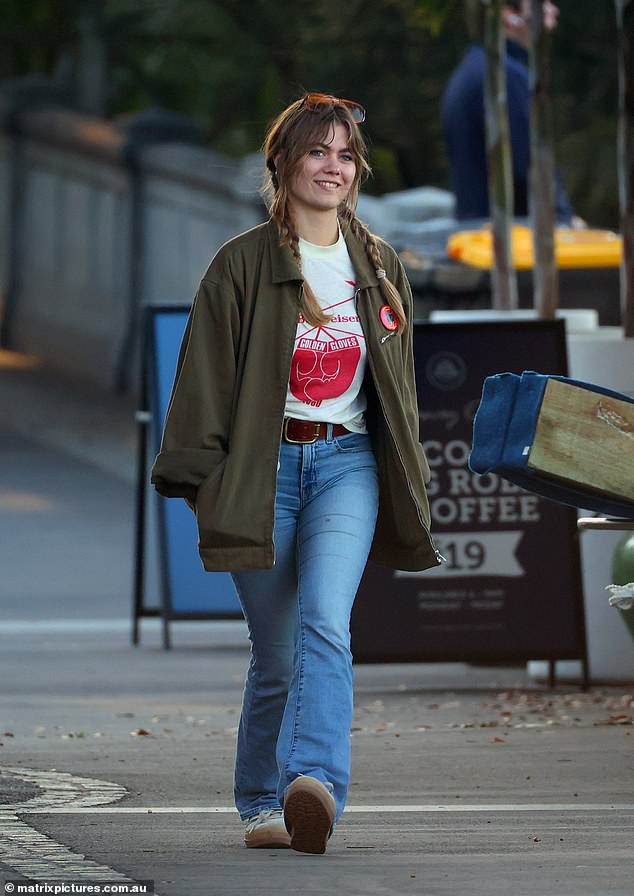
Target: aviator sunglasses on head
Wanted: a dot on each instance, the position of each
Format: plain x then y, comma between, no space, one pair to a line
315,102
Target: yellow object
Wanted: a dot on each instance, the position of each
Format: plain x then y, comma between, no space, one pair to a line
574,248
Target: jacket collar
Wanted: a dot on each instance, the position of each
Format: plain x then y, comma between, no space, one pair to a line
284,266
366,275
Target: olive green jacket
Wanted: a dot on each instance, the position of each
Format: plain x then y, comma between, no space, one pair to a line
223,427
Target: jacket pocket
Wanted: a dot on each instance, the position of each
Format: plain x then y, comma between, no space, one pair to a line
209,492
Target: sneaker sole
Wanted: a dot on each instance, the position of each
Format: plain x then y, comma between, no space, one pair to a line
268,840
309,814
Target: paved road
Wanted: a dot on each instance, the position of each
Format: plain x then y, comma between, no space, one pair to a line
116,761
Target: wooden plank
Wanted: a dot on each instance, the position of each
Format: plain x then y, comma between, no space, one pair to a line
586,439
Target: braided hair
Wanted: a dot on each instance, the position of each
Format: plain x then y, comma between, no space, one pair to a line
289,138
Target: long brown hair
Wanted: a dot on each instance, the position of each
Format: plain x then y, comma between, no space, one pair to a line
291,135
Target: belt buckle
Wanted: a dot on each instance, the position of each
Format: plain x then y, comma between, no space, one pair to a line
287,438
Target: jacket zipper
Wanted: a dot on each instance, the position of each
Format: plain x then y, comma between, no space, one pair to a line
439,556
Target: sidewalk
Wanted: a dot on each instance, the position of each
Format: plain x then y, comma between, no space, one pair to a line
89,425
116,761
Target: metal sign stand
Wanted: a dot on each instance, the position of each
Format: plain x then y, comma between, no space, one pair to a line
186,592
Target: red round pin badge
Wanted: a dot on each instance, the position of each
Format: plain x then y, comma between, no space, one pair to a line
388,318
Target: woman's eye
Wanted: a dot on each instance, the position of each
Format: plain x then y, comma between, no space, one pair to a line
347,158
316,152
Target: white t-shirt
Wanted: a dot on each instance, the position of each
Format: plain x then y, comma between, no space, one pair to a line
329,360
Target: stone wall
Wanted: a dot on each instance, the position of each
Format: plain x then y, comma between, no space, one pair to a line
98,218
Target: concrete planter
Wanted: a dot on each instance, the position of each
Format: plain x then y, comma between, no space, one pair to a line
604,357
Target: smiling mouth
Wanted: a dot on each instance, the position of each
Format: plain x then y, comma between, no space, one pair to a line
327,184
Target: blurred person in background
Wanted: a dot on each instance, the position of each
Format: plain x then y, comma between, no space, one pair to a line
293,433
463,119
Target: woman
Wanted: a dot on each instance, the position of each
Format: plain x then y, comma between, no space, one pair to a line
293,432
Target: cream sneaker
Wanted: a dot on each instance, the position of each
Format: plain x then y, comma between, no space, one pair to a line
309,814
267,830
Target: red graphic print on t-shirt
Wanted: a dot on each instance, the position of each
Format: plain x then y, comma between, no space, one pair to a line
325,360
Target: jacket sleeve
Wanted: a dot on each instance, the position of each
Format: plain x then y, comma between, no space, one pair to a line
197,425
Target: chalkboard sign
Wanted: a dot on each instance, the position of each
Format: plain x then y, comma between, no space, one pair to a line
187,591
510,589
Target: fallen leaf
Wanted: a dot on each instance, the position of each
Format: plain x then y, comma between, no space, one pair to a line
141,732
620,718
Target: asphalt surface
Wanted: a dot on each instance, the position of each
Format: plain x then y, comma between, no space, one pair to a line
116,761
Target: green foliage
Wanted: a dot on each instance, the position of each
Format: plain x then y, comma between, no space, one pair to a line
232,66
35,34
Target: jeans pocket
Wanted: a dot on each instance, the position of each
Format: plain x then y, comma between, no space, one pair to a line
351,442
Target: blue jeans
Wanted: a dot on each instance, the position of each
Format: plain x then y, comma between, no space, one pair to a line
297,705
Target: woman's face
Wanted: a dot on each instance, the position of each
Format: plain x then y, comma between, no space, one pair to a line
325,175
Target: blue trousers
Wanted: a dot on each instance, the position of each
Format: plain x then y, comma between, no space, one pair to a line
298,697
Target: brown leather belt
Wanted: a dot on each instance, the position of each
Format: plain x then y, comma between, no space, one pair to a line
304,432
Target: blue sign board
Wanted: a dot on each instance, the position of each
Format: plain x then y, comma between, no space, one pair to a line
190,592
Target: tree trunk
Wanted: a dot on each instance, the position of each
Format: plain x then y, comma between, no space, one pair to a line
542,171
625,24
93,86
500,174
